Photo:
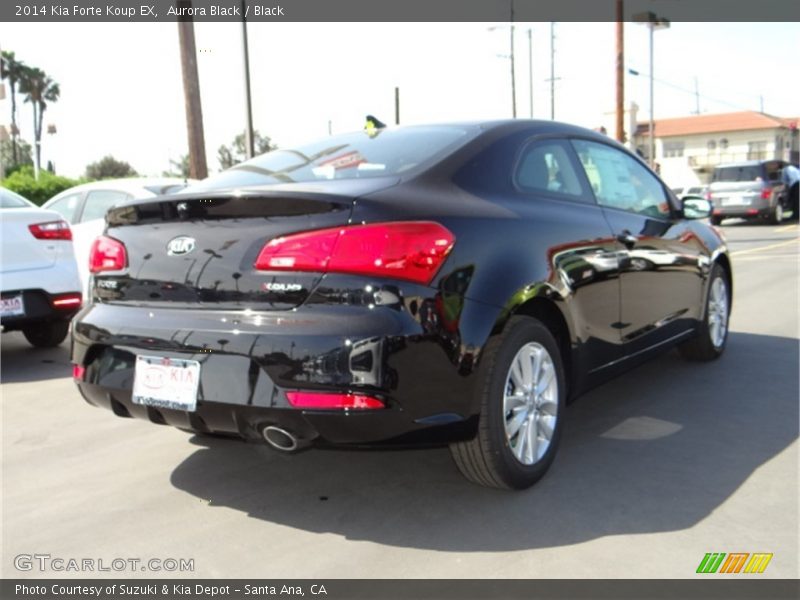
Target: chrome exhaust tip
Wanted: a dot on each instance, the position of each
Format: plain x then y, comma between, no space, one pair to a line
280,439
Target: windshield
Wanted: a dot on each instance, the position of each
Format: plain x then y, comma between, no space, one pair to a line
9,199
346,156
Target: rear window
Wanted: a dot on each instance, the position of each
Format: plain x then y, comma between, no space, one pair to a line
9,199
161,190
740,173
347,156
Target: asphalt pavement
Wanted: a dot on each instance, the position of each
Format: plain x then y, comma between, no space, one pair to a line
655,469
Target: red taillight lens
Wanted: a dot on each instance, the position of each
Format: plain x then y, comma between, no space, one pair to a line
67,301
52,230
78,372
405,250
766,194
324,401
107,254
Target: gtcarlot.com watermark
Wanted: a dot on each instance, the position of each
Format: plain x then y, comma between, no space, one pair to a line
46,563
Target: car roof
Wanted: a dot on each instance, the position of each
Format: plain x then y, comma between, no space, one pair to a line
742,163
136,186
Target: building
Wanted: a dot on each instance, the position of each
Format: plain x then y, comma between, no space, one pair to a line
688,148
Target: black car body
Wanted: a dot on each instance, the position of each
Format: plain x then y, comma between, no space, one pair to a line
507,240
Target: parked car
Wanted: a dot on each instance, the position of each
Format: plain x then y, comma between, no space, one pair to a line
413,285
748,190
39,284
84,207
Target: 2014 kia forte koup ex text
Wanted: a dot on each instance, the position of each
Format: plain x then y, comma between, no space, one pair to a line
404,286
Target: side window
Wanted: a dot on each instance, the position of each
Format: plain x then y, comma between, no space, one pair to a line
66,206
620,181
545,166
98,203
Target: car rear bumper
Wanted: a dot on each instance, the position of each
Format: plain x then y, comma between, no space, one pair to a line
422,373
758,207
38,306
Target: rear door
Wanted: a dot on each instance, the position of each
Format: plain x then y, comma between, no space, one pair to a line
661,260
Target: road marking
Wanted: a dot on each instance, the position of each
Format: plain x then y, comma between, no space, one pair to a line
786,228
760,248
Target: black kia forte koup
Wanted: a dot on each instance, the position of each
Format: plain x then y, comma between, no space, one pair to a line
397,287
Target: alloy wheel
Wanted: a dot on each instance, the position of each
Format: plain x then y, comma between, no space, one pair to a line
718,312
530,403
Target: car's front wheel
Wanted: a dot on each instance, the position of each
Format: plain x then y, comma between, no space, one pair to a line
712,334
522,409
46,335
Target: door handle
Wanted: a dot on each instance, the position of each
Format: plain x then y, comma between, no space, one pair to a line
627,239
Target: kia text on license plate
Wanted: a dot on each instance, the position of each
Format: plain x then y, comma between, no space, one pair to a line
166,382
11,307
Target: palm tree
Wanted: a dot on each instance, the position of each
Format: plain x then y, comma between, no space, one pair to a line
13,70
39,89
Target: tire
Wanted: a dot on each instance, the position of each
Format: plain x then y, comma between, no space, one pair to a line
716,220
507,460
776,213
712,335
46,335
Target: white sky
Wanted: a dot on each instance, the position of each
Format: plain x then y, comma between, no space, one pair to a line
121,86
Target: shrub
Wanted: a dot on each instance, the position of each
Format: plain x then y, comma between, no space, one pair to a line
38,192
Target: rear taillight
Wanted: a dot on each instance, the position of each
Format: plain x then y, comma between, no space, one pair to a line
412,250
107,254
52,230
78,372
67,301
766,194
325,401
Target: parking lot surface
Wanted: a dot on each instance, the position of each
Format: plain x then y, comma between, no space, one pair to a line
657,468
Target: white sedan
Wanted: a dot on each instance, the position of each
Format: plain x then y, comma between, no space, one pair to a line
85,206
39,283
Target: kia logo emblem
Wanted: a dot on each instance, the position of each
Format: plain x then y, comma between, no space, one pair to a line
180,245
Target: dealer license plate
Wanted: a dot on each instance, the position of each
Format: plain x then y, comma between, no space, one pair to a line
736,201
166,382
12,307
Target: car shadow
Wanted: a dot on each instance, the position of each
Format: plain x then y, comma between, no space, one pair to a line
656,450
20,362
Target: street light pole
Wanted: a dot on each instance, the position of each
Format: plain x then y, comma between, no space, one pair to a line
552,71
653,22
530,67
513,78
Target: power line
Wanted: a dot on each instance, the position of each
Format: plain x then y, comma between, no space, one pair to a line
694,92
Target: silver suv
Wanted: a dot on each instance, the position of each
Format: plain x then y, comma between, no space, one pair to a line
748,190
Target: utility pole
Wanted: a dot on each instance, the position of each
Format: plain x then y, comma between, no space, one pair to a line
249,146
696,97
620,115
761,103
530,67
191,92
397,106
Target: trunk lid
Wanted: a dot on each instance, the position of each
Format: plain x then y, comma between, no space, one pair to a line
199,249
21,251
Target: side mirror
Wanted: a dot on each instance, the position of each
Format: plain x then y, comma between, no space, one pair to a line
695,207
